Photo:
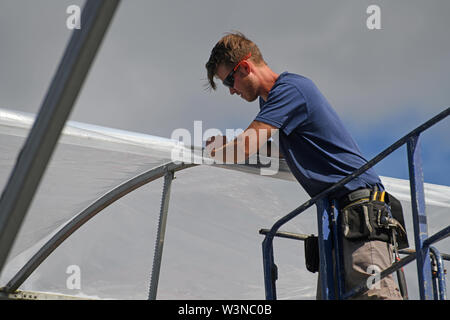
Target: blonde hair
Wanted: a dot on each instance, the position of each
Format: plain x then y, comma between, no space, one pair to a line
232,48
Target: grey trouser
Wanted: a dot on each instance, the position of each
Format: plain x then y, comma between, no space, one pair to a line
361,260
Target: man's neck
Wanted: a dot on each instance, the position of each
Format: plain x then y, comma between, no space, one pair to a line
267,81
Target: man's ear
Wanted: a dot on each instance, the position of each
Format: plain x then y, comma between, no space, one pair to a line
246,67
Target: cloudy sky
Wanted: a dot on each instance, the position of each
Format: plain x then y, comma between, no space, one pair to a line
149,74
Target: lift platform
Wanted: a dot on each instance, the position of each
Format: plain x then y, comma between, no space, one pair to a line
431,284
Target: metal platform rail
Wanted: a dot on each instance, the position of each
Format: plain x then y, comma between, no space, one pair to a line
327,215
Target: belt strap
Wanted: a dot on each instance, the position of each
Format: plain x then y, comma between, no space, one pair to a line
358,194
371,194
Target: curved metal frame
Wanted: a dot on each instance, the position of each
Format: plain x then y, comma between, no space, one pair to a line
88,213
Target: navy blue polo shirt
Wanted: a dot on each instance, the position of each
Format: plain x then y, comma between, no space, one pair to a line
317,147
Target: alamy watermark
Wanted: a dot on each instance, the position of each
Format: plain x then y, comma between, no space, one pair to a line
74,19
373,21
373,281
73,281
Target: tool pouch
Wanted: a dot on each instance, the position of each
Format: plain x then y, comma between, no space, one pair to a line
397,214
369,220
361,221
312,253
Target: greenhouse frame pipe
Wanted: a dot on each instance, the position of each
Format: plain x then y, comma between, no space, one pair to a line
88,213
55,109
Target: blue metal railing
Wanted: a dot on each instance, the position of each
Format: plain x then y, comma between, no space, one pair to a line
328,231
439,288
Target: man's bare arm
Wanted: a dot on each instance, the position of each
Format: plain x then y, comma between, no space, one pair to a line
245,145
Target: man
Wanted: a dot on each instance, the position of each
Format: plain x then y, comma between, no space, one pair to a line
316,146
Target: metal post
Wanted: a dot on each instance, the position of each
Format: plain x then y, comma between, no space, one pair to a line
270,268
434,281
325,250
338,250
55,110
419,218
440,274
160,235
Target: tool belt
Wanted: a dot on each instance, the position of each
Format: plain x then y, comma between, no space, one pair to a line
369,214
365,215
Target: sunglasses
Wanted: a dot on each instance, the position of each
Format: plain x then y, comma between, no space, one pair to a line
229,80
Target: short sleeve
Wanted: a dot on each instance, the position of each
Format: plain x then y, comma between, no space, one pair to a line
285,108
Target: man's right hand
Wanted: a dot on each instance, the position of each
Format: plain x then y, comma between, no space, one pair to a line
216,138
213,143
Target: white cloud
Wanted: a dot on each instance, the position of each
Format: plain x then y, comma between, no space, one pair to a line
149,73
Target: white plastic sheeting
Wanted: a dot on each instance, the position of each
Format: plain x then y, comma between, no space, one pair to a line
212,248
